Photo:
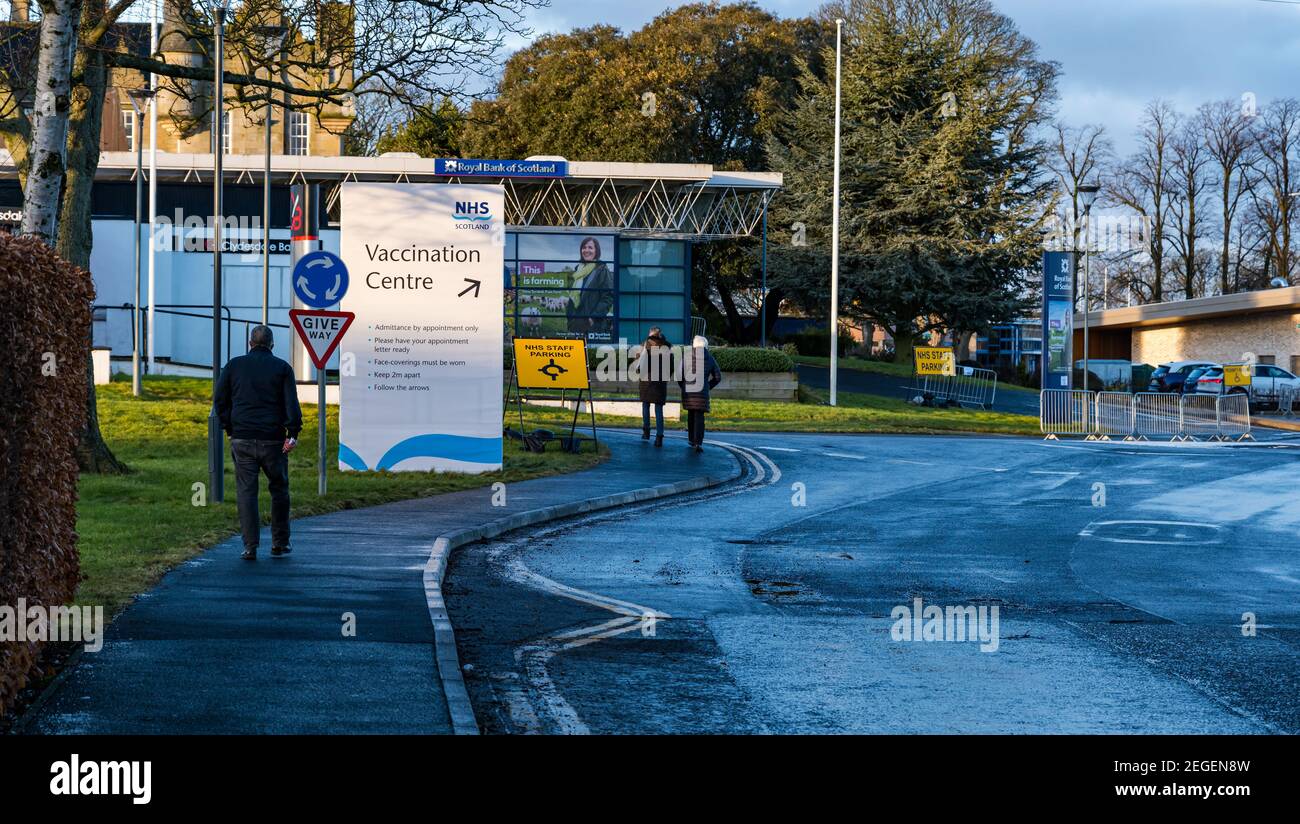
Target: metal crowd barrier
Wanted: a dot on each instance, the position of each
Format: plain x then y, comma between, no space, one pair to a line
1144,415
969,387
1065,412
1199,416
1157,415
1233,412
1286,400
1113,416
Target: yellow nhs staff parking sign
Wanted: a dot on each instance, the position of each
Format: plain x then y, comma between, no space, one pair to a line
551,364
935,360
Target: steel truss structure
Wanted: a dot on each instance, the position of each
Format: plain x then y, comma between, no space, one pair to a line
662,200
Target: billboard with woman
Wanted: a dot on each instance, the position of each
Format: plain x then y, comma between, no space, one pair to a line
565,286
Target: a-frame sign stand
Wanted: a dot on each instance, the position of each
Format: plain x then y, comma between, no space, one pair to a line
544,363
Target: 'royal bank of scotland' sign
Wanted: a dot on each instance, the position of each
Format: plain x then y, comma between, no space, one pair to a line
1058,319
455,167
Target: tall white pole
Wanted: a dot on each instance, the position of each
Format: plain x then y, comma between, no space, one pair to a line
153,179
835,229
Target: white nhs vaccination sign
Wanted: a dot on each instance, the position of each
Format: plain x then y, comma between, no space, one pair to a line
427,263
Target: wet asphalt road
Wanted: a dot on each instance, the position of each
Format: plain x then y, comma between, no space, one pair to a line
1120,607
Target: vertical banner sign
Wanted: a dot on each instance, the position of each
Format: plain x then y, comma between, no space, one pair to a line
1058,319
426,263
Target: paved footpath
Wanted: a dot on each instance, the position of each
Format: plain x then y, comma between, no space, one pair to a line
225,645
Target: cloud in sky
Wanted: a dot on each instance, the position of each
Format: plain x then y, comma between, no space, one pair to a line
1115,55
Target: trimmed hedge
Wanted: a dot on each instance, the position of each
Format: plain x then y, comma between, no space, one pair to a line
752,359
45,325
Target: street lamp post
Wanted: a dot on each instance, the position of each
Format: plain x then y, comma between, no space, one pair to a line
835,228
139,102
1088,195
216,440
275,36
762,292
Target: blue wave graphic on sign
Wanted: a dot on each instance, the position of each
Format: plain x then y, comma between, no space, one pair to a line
352,459
449,447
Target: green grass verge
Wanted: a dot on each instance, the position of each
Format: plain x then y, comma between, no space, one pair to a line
898,370
855,413
135,527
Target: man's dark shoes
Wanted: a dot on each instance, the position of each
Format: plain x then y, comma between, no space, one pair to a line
659,440
249,555
645,434
277,551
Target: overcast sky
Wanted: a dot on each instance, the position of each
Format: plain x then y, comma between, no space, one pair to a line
1115,54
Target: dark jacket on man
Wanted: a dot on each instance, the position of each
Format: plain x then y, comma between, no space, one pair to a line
655,367
701,367
257,398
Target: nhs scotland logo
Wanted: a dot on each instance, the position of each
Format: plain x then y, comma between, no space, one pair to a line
471,210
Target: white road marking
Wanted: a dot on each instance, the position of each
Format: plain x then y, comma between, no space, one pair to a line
1065,479
842,455
778,448
1089,531
523,575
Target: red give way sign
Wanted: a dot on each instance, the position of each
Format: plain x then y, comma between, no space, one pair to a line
321,331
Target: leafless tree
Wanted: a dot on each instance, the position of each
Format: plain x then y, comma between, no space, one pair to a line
1226,130
1277,138
48,130
1191,160
1078,156
1144,183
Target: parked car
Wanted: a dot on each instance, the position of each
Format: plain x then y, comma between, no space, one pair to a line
1169,377
1194,377
1265,381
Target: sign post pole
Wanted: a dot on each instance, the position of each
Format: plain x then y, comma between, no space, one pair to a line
320,413
320,279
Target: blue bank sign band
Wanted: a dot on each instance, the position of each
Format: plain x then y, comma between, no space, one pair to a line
455,167
428,261
320,279
1058,319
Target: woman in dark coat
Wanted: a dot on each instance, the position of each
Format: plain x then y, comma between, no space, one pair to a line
655,366
699,375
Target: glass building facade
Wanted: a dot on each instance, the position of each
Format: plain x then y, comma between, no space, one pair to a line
596,286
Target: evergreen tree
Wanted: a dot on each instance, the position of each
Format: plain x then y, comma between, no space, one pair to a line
943,183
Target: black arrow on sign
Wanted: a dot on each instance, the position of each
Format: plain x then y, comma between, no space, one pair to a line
473,284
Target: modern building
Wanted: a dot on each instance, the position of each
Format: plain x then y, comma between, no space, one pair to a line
643,219
1009,345
1223,328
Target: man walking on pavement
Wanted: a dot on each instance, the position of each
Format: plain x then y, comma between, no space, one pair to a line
257,403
